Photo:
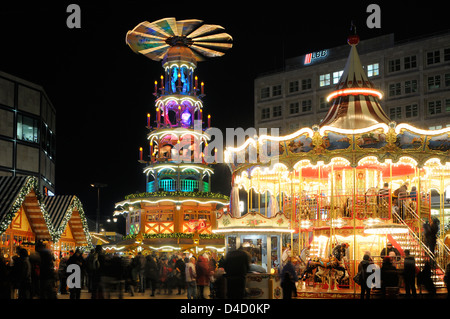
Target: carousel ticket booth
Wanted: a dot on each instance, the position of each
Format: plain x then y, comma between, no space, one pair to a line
264,238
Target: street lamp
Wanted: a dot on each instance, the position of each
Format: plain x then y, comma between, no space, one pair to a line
98,186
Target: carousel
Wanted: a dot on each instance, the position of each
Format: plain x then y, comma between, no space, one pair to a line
356,181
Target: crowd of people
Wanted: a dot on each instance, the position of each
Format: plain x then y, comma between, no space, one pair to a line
104,275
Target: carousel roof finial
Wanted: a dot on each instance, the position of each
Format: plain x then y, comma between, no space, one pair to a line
355,100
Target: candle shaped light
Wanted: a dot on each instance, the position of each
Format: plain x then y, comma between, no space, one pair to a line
203,91
162,81
179,79
201,115
196,81
140,153
148,119
156,87
209,120
158,114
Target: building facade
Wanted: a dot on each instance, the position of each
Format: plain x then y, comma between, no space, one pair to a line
413,75
27,132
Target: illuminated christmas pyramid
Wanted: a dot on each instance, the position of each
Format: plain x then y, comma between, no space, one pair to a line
178,208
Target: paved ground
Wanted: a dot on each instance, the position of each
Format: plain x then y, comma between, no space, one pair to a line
114,295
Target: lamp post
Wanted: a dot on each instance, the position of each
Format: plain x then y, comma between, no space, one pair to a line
98,186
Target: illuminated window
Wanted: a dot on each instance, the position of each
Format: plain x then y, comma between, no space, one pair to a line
324,80
447,105
373,70
337,76
27,129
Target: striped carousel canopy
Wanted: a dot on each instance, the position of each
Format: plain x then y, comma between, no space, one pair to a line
355,100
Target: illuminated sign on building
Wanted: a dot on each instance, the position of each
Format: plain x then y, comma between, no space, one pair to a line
314,56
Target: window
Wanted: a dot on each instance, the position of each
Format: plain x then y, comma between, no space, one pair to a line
410,62
306,84
276,90
306,106
294,108
395,89
265,93
434,107
293,86
395,113
394,65
27,129
411,110
447,105
437,127
447,54
447,79
324,80
433,57
410,86
337,76
373,70
276,111
434,82
265,113
323,104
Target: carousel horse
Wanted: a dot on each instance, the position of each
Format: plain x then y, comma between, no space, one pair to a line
326,269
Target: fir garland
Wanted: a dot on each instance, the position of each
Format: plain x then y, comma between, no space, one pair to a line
176,235
179,194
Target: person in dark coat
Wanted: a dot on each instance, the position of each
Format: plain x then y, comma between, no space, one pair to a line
5,280
77,259
151,273
288,280
236,265
424,278
47,274
362,270
430,231
24,274
62,275
389,248
180,268
389,275
409,275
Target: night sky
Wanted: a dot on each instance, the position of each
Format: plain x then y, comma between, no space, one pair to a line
102,91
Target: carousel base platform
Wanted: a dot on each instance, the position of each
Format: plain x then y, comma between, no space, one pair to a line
320,291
